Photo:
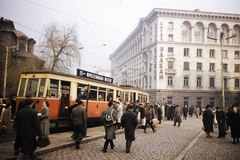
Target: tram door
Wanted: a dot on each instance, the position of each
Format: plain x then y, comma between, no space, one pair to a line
64,101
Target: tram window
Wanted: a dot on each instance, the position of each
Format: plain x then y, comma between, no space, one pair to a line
32,86
102,94
93,95
110,95
126,96
22,86
54,88
119,93
41,87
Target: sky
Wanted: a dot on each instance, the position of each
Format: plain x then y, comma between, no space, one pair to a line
102,25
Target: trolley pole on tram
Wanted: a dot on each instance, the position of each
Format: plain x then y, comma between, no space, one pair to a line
88,90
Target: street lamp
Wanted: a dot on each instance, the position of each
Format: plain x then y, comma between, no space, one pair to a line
222,78
5,71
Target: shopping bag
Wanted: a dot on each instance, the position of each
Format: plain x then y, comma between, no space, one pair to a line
143,122
43,142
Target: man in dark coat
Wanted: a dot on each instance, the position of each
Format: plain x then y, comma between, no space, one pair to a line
221,120
142,114
109,129
28,126
79,119
73,136
208,121
129,122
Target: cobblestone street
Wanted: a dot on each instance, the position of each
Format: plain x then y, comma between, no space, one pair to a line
167,143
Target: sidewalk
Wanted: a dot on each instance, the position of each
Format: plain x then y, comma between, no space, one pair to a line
58,141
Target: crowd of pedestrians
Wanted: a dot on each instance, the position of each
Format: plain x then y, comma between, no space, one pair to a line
125,115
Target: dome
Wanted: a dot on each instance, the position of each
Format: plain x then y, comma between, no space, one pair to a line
20,34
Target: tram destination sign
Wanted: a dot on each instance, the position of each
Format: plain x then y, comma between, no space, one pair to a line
83,73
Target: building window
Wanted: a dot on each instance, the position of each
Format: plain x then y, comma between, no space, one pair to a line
199,66
170,37
186,52
185,81
186,66
22,42
170,51
212,82
199,52
170,65
211,53
236,83
197,39
225,67
225,82
169,100
236,54
237,67
199,81
211,101
212,67
184,38
185,101
234,41
224,54
199,102
170,80
170,25
237,101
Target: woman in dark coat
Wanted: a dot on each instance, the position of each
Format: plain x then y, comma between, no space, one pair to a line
129,122
208,121
234,122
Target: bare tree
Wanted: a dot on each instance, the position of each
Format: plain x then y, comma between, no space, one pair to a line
60,47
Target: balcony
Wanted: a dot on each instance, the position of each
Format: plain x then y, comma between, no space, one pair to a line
197,33
184,32
170,71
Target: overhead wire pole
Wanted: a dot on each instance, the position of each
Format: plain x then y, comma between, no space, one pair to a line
5,69
222,77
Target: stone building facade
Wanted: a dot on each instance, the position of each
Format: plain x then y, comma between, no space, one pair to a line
20,56
173,55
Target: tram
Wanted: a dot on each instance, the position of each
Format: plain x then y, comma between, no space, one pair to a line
61,90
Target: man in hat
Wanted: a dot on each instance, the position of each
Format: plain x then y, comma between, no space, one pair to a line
79,119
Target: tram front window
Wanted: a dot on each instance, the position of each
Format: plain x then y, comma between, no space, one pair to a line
22,86
32,87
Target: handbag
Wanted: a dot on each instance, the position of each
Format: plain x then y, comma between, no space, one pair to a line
43,142
110,119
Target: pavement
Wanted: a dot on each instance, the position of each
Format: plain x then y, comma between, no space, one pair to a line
58,141
187,142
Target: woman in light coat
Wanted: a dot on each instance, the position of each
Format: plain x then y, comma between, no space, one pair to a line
44,118
6,118
119,113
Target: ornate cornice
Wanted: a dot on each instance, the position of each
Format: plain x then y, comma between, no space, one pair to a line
213,16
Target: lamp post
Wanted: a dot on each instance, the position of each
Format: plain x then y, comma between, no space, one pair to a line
5,69
222,77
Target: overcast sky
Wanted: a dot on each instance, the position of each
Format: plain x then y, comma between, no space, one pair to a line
101,24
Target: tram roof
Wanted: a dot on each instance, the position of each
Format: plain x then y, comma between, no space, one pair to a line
75,76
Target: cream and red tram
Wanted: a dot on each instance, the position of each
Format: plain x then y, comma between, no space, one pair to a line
61,90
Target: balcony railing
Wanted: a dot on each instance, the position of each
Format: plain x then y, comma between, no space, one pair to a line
170,71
